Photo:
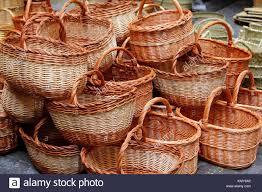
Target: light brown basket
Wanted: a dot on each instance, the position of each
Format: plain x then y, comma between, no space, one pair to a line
164,128
6,23
22,107
133,157
191,79
43,66
49,152
230,134
32,7
129,73
249,98
158,36
120,12
100,115
11,3
238,58
96,35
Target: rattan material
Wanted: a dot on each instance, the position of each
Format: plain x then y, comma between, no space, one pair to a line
6,23
44,66
49,152
11,3
129,73
22,107
230,134
191,79
164,128
101,114
8,132
120,12
96,35
32,7
158,36
238,58
133,157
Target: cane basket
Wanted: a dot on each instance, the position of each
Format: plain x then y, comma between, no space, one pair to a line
191,79
100,115
22,107
238,58
49,152
133,157
42,66
230,134
164,128
129,73
120,12
158,36
96,35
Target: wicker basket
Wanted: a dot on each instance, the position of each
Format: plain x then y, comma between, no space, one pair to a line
49,152
238,58
120,12
11,3
31,9
158,36
8,133
95,41
101,115
191,79
133,157
43,67
230,134
164,128
22,107
128,73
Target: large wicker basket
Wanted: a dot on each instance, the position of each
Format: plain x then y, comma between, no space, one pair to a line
43,66
157,37
191,79
22,107
129,73
230,134
96,35
49,152
120,12
164,128
100,115
133,157
238,58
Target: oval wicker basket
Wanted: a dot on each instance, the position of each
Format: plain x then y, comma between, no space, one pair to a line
191,79
120,12
32,7
100,115
22,107
43,66
164,128
230,134
158,36
8,132
133,157
49,152
129,73
96,35
238,58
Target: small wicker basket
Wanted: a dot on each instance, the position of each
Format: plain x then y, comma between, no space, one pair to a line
49,152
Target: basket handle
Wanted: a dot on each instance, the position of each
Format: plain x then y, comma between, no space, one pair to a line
95,77
8,11
182,51
83,7
29,22
99,61
151,5
217,22
28,7
119,57
179,8
38,126
211,98
239,81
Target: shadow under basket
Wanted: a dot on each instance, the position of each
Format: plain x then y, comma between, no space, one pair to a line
49,152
